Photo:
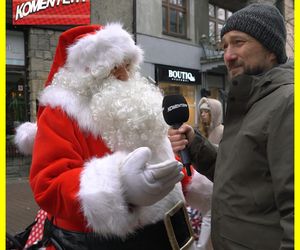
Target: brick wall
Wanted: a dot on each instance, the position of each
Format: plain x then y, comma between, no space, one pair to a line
41,49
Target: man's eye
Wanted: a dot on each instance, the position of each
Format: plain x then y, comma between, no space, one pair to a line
239,42
224,46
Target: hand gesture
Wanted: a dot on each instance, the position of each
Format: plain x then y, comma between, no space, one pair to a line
145,183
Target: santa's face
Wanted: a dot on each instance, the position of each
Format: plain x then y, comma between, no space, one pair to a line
128,113
121,72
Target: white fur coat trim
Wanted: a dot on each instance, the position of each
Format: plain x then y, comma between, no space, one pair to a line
102,198
77,107
24,137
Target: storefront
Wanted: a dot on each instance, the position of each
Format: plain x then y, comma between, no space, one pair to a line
16,96
175,80
17,110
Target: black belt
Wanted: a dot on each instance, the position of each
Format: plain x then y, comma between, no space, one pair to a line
173,233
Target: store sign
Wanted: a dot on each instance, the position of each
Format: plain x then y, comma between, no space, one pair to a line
51,12
178,75
181,76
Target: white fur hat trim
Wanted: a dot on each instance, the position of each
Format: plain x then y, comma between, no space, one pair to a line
97,54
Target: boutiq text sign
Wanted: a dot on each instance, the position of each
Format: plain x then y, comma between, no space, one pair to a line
51,12
178,75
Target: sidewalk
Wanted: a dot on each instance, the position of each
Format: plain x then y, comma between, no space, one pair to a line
21,208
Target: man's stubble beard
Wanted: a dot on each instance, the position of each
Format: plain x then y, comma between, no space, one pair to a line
250,70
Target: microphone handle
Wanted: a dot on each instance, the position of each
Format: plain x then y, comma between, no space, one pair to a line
185,159
177,125
184,154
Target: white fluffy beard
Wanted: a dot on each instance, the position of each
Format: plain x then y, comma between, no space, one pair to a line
129,114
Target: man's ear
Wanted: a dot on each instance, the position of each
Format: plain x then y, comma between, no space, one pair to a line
273,57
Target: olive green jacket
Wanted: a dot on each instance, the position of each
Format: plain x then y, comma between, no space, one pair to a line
253,197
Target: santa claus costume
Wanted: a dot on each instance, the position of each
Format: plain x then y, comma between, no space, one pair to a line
102,166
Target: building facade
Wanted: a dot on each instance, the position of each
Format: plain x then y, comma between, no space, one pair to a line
180,39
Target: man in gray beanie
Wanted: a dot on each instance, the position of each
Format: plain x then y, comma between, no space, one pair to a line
253,169
262,22
261,30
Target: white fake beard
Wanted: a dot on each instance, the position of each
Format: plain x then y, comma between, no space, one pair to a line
129,114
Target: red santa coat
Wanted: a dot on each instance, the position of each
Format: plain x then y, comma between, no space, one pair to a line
69,164
60,152
62,155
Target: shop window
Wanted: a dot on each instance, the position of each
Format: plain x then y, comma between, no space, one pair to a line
17,106
15,100
17,165
174,17
187,91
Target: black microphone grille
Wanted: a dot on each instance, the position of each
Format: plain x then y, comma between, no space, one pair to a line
175,109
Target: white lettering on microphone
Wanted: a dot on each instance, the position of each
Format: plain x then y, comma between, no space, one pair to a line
176,106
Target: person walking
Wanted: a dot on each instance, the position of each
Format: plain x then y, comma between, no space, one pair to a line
253,168
210,126
211,116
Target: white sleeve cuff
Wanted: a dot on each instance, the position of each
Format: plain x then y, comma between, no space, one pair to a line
199,192
101,195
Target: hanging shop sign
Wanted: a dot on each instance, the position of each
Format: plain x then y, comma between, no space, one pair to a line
178,75
51,12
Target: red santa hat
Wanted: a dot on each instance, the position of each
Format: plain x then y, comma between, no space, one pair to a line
66,39
95,50
88,50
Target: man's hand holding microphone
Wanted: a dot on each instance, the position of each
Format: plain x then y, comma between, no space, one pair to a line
181,137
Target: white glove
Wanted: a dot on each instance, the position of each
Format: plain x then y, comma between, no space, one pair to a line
144,183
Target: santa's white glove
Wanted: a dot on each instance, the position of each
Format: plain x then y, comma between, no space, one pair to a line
146,183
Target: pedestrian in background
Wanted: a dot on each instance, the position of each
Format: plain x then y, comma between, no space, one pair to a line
210,126
253,169
211,115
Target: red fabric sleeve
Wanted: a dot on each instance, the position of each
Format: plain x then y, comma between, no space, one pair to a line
185,182
59,153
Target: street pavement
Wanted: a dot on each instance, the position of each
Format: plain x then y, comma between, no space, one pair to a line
21,208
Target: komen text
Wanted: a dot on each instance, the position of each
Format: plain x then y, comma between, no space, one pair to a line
30,7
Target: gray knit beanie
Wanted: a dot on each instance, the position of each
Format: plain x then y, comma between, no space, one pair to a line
263,22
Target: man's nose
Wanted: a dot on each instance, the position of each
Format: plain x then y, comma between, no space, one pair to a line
122,74
229,55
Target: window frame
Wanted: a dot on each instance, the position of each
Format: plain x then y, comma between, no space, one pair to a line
215,38
167,6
